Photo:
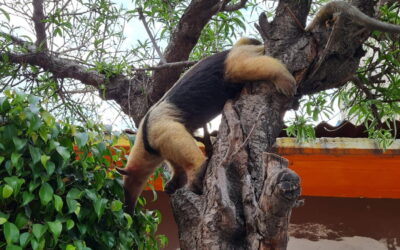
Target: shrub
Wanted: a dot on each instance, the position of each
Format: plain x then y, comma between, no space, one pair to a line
55,196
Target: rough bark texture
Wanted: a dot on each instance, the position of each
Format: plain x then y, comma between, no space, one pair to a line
248,193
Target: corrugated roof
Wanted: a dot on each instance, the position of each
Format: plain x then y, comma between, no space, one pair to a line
345,129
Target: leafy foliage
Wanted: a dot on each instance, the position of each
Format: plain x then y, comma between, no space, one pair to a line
56,187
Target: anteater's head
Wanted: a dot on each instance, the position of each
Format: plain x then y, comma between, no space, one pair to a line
133,186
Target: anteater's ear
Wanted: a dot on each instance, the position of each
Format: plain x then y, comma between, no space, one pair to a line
122,171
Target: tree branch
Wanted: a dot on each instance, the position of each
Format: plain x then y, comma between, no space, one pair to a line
61,68
18,41
40,27
146,26
354,14
183,40
168,65
358,82
234,7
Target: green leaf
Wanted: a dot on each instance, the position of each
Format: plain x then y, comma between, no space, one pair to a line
11,232
1,159
78,208
7,191
58,203
46,193
63,152
38,230
91,194
35,123
55,228
2,220
50,167
14,158
74,194
5,13
128,220
116,205
19,143
70,224
38,245
82,228
13,247
24,239
48,118
70,247
26,198
35,154
44,159
21,220
81,139
15,183
72,205
44,134
99,206
33,185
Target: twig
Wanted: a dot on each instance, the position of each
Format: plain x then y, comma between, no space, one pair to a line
358,82
168,65
391,101
234,7
297,21
18,41
250,132
146,26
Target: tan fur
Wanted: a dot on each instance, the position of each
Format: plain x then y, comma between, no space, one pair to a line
140,166
246,63
175,144
167,134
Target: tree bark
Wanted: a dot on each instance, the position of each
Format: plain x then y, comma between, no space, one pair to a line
248,193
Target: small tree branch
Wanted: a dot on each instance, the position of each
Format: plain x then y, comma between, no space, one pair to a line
153,40
353,14
183,40
358,82
18,41
61,68
168,65
40,27
299,24
234,7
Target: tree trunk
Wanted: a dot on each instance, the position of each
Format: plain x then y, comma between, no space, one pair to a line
248,193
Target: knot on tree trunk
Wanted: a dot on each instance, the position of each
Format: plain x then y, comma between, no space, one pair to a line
280,192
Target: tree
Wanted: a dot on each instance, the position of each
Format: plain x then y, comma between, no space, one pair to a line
248,194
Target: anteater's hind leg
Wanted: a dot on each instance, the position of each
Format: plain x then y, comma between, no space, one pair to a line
178,147
247,63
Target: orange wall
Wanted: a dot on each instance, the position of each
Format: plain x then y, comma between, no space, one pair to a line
346,173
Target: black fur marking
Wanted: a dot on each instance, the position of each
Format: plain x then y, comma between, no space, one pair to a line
146,143
201,93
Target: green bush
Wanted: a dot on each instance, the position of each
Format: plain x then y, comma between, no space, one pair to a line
54,198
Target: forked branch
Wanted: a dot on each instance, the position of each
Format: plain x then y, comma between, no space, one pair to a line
331,9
